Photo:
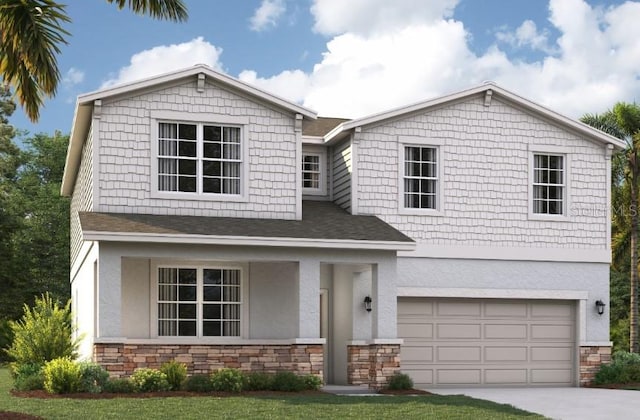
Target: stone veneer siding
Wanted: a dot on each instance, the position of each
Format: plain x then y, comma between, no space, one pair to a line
591,358
372,364
120,360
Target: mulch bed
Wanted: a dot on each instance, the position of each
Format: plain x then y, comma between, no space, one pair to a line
17,416
635,385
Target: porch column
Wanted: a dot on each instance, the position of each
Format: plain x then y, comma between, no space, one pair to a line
384,296
109,298
309,299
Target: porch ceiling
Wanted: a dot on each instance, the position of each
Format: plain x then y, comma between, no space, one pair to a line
323,224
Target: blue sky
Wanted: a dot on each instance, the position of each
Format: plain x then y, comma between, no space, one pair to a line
351,58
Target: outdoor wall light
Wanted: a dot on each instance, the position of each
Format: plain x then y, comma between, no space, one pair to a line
600,306
367,303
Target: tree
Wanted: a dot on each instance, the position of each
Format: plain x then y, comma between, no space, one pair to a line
32,34
623,121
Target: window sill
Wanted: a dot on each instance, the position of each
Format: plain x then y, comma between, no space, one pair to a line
231,341
199,197
420,212
548,217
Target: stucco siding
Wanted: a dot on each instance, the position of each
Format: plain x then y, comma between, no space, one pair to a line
486,153
126,154
82,295
136,298
342,175
82,198
270,285
505,276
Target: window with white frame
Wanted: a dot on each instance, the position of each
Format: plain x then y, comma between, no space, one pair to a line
199,158
311,171
420,177
199,302
549,184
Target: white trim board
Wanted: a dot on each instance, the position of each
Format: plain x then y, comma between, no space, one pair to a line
441,292
509,253
170,341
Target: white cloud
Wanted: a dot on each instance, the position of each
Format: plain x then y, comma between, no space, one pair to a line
73,77
266,16
382,56
166,58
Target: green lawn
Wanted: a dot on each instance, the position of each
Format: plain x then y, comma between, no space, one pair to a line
294,407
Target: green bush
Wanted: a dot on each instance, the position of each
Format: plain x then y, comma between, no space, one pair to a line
227,380
43,334
176,374
93,377
28,377
6,337
118,386
623,369
198,383
311,382
257,381
149,380
62,376
400,381
287,382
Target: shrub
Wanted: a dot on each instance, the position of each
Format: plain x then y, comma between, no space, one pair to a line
198,383
227,380
287,382
624,368
93,377
62,376
43,334
6,337
176,374
312,382
400,381
28,377
149,380
118,386
257,381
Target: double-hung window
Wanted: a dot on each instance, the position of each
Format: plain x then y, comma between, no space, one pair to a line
549,177
420,177
199,158
199,302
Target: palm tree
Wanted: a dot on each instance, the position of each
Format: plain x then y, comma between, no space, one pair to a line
623,121
31,34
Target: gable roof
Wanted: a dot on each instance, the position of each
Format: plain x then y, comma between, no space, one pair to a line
494,90
320,126
323,225
85,104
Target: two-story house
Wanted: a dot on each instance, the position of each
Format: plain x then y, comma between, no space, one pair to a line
462,240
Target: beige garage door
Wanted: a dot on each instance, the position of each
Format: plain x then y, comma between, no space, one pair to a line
487,342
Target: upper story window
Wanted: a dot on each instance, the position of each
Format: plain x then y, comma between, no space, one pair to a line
199,302
549,174
421,177
199,158
313,172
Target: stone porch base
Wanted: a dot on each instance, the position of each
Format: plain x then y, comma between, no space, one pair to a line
591,358
120,360
372,364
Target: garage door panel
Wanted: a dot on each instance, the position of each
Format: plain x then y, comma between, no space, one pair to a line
459,354
507,354
413,307
505,331
415,330
458,309
505,376
510,342
458,331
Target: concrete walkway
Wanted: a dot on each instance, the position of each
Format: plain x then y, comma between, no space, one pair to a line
561,403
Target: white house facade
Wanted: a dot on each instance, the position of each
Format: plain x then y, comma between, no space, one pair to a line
219,225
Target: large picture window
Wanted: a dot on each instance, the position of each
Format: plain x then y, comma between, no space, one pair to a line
548,184
420,177
199,158
199,302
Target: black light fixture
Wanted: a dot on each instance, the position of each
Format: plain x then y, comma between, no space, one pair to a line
367,303
600,306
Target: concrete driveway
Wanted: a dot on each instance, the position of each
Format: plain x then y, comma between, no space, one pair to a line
561,403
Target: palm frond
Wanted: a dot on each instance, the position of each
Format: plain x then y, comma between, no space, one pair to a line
174,10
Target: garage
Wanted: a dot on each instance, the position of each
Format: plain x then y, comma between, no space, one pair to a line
488,342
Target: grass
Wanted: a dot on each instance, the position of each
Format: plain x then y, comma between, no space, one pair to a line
289,407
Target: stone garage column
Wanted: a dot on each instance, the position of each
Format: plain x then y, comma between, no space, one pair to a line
308,299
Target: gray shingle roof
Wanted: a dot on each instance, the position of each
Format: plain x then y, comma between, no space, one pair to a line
320,220
320,126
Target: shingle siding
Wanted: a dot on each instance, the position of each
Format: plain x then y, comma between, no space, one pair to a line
486,178
82,198
125,154
342,175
